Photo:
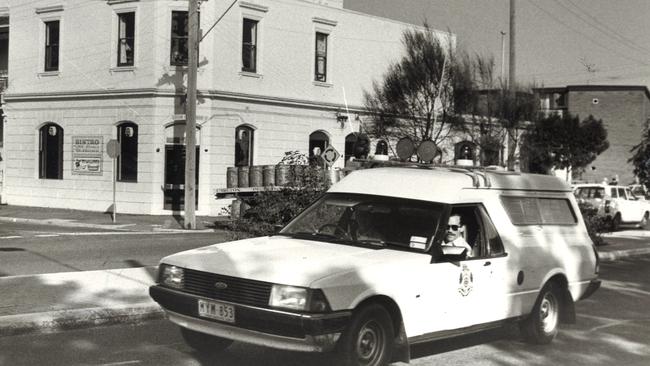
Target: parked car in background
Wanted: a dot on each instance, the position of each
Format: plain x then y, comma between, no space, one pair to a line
616,203
640,191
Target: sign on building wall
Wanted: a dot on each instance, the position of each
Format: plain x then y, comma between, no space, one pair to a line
87,153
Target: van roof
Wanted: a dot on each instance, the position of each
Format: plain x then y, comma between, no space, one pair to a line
444,184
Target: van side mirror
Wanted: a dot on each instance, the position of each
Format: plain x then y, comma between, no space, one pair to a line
277,228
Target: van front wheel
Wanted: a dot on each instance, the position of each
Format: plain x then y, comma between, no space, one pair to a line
541,326
368,341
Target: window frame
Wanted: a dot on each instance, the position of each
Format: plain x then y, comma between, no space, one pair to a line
121,135
48,59
321,77
180,38
119,15
252,47
249,150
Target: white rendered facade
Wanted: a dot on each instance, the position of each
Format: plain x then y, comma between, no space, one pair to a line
89,95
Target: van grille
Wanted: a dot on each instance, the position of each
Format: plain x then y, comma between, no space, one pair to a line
239,290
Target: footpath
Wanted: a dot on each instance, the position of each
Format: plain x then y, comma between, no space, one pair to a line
56,302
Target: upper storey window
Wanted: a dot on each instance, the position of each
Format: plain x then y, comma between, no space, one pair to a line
321,57
126,40
52,45
179,55
249,45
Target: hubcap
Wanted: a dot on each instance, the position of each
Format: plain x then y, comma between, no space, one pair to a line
548,312
369,341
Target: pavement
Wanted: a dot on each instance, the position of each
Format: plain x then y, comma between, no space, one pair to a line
55,302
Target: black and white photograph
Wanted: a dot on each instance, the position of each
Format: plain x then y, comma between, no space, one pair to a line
324,182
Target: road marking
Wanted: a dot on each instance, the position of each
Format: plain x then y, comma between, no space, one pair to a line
46,235
122,363
10,237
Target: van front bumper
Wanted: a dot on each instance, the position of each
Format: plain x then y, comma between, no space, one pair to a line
265,327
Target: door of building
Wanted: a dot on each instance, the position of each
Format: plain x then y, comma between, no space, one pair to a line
174,187
175,177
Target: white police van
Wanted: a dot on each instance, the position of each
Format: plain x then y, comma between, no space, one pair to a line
363,271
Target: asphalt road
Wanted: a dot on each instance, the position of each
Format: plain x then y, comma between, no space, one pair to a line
613,329
35,249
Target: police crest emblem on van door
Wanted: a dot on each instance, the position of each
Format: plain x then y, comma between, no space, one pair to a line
466,281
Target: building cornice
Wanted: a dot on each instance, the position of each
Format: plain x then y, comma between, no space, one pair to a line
251,6
154,92
49,9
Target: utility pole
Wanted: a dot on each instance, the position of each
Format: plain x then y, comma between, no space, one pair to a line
503,57
190,115
512,130
511,65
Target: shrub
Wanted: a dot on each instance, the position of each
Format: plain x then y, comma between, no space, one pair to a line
270,209
596,224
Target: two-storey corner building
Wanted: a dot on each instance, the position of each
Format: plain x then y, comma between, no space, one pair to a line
625,111
273,76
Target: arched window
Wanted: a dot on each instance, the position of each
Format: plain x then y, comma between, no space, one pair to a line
50,152
381,148
244,146
350,139
465,150
319,140
127,161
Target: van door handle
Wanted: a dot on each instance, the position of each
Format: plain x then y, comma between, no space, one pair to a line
488,263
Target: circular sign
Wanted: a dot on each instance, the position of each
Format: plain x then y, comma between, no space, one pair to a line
428,150
113,148
405,148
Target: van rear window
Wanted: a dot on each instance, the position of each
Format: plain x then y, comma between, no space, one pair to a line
539,211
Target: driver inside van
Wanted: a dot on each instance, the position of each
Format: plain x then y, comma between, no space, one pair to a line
453,235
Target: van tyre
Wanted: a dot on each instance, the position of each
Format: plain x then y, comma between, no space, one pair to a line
643,224
616,222
541,326
205,343
368,340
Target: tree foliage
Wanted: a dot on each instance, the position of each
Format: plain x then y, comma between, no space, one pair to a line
641,158
434,93
414,99
564,142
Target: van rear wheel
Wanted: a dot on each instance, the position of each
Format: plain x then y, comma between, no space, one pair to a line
204,343
541,326
643,224
616,222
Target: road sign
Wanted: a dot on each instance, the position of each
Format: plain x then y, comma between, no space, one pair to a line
330,155
113,148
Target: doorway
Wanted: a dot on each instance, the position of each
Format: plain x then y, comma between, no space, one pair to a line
174,185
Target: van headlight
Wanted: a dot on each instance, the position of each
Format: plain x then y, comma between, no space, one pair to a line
298,298
171,276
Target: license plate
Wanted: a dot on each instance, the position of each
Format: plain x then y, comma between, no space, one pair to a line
217,310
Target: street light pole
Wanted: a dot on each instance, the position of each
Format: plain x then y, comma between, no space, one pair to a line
190,115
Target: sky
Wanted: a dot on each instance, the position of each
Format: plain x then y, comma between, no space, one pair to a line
557,42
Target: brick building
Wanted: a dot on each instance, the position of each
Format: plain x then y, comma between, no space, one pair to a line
625,111
274,76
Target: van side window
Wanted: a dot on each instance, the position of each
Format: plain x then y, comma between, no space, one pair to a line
478,231
539,211
621,193
494,245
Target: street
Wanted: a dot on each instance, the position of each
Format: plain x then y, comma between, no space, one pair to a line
613,328
34,249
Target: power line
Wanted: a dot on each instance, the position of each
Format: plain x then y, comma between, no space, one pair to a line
610,30
607,32
552,16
